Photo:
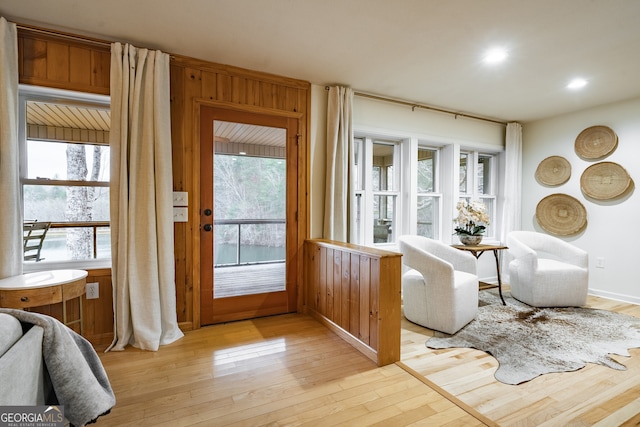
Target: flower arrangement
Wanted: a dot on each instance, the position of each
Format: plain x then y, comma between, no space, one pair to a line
472,218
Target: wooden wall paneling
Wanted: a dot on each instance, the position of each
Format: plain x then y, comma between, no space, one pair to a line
182,274
337,287
32,58
98,313
78,58
58,62
63,63
365,308
238,90
390,315
320,287
365,301
101,69
329,278
209,85
193,90
84,65
374,302
354,296
253,92
345,292
223,87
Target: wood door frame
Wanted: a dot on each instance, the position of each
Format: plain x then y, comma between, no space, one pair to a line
303,222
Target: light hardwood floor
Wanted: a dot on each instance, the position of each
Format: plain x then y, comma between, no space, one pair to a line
290,370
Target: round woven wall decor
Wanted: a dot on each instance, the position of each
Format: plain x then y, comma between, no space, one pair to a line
596,142
561,214
604,181
554,170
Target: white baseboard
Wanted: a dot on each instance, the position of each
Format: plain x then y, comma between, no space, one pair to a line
614,296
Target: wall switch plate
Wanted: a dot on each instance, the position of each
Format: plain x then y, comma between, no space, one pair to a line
180,198
599,262
93,290
180,214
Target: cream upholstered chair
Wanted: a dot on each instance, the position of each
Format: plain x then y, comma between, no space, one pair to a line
547,271
440,291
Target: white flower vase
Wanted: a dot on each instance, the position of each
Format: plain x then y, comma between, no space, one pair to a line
470,240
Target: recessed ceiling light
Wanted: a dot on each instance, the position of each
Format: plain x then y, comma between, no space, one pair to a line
495,55
578,83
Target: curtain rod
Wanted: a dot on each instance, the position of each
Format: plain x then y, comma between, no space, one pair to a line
63,34
415,105
76,37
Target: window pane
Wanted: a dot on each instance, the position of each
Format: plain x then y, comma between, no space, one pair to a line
59,160
384,218
484,174
382,167
55,203
426,171
464,173
427,216
489,204
375,178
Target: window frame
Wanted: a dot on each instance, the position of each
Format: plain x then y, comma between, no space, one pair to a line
490,198
435,193
362,213
27,93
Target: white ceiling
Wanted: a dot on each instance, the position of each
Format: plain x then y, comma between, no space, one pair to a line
424,51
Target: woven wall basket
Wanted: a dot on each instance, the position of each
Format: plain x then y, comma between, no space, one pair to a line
561,214
554,170
596,142
604,181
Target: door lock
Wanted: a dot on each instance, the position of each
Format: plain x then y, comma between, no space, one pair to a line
208,227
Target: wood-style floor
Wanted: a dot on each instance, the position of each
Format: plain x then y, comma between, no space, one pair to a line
290,370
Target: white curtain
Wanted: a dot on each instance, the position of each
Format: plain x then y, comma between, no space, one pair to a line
339,152
11,206
512,207
141,200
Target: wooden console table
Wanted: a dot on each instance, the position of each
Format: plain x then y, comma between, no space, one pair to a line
478,250
45,287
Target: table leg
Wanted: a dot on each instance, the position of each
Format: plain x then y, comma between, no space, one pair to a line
495,254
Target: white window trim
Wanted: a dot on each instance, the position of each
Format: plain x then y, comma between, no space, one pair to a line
41,93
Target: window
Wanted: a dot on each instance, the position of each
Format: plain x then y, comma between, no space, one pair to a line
375,177
476,174
428,200
65,171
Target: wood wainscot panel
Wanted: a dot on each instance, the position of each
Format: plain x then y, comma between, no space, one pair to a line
355,291
63,62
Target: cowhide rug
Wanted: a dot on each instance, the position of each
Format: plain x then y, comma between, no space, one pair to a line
529,341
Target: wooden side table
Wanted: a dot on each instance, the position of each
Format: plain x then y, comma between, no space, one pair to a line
45,287
478,250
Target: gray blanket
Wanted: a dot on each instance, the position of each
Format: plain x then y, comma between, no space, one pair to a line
77,375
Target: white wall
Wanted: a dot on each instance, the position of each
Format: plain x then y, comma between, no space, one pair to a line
385,118
612,230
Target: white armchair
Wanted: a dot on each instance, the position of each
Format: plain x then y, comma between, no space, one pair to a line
440,291
547,271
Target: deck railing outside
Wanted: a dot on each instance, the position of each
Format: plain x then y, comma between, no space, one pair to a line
230,249
93,225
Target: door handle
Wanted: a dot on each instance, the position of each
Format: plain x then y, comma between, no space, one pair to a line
208,227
